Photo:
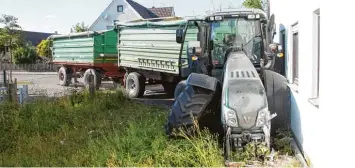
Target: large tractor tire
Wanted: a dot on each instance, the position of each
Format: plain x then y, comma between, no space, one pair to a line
278,96
64,76
192,103
179,88
97,78
135,85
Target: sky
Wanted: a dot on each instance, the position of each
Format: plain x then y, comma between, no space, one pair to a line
60,15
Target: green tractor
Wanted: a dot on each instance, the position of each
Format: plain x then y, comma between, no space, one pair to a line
233,89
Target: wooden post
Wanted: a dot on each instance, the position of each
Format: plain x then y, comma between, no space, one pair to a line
12,91
75,78
4,77
91,85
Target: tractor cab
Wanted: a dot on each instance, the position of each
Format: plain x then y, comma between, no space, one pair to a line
229,31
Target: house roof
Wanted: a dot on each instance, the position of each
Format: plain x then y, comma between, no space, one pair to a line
35,37
143,11
163,11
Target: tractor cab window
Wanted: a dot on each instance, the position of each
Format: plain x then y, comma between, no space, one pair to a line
235,33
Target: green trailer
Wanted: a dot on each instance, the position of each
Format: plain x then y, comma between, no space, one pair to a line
149,53
85,53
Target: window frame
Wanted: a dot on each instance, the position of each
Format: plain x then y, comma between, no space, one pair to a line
295,80
314,99
118,7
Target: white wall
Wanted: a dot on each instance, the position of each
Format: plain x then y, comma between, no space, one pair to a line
304,115
128,14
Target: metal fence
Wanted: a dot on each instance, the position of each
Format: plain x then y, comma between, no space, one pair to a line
38,67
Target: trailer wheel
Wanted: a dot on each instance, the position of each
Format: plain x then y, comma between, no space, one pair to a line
64,76
179,88
97,78
135,85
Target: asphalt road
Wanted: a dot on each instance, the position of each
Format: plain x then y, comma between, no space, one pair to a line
40,84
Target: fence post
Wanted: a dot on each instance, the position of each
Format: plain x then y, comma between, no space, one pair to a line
4,76
91,85
75,78
12,88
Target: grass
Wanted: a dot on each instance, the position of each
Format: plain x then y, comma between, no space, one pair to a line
108,130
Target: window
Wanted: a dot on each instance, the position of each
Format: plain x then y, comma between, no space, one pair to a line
120,8
316,57
295,54
109,27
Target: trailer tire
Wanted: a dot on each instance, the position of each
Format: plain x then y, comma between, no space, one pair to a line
64,76
135,85
190,104
179,88
97,78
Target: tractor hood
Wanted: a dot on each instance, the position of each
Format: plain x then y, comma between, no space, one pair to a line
243,91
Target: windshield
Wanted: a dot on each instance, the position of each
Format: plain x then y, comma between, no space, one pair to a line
232,33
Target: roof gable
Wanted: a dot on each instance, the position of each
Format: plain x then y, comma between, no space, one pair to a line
143,11
163,11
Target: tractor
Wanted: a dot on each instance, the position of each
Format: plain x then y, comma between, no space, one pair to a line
233,89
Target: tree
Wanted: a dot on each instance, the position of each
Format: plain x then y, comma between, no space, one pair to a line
10,35
253,4
80,27
43,48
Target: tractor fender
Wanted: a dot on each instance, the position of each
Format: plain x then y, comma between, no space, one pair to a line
203,81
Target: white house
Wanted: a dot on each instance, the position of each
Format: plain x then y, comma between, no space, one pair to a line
126,10
318,82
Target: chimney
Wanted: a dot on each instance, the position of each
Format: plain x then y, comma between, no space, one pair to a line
55,32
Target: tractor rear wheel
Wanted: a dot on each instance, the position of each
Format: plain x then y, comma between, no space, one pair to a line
278,99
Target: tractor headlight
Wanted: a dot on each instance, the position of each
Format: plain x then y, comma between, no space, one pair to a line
229,116
262,117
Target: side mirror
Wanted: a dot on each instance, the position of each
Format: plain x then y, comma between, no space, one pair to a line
277,49
179,35
270,29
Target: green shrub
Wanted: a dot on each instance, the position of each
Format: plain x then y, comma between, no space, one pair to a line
24,55
43,49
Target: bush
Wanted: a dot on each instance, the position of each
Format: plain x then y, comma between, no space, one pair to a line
43,49
24,55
